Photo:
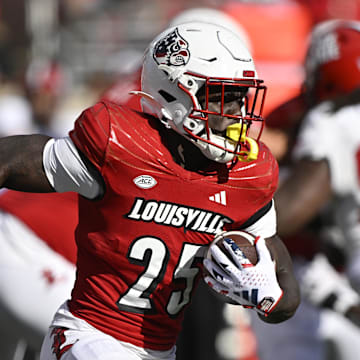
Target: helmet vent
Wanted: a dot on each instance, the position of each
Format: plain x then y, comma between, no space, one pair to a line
209,60
168,97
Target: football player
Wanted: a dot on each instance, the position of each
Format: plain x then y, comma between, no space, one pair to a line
39,251
154,188
321,174
322,177
192,342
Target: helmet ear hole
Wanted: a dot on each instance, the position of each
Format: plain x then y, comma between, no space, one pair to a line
167,96
201,91
192,125
200,95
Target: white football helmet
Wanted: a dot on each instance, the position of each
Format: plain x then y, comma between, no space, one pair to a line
194,58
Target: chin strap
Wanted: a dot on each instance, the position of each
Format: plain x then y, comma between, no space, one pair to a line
238,131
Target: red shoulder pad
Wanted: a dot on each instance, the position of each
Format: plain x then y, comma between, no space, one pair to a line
91,133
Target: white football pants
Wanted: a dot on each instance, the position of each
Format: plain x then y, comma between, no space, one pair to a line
34,282
72,338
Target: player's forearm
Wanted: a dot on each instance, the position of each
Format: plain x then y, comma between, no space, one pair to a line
21,163
284,271
289,301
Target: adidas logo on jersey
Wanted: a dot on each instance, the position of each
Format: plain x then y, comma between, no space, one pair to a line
219,198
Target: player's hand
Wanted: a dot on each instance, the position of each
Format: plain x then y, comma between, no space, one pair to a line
233,275
323,286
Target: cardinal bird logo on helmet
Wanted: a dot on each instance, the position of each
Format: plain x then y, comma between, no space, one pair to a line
172,50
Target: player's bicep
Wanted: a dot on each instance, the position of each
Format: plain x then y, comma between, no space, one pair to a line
68,170
21,163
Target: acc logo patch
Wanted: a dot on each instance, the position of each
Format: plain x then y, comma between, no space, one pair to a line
172,50
145,181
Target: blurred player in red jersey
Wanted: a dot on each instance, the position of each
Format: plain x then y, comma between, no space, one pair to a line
155,187
323,136
332,83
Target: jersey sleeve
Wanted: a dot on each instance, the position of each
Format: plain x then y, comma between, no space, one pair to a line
67,171
330,136
265,225
91,133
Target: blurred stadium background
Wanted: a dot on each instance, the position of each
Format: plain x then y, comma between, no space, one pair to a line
62,46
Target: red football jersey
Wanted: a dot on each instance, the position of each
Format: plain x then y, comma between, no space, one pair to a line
52,217
141,245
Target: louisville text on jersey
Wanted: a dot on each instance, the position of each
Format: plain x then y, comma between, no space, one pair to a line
177,215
